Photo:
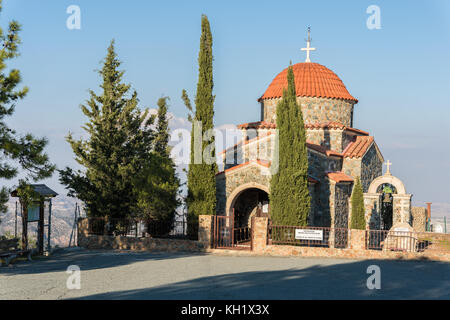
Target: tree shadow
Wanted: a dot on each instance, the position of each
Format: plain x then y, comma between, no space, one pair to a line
399,280
87,260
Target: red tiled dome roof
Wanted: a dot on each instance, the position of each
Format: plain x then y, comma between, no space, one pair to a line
311,80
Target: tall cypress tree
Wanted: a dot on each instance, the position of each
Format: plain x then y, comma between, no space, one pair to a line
118,147
358,220
201,197
289,193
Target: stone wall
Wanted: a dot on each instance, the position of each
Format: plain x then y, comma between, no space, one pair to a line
419,218
371,167
356,247
89,241
314,110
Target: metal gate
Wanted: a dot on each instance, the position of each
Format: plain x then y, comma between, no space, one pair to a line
228,236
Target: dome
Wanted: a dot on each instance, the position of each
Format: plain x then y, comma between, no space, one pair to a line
311,80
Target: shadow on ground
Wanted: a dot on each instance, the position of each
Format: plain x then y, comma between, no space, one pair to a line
86,260
399,280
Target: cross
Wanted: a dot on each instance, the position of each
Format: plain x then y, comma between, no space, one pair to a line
388,165
308,46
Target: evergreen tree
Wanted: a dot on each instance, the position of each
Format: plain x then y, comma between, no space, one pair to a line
158,187
358,220
118,147
201,197
289,193
25,150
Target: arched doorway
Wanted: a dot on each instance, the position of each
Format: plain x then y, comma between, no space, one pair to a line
387,191
249,203
387,203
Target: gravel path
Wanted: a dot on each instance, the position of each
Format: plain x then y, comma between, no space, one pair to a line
127,275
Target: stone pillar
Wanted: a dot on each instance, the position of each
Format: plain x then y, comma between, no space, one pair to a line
401,209
372,205
357,239
331,238
259,233
205,229
82,231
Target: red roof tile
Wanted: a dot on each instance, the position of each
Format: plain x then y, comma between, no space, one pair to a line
257,125
359,147
311,80
339,177
322,149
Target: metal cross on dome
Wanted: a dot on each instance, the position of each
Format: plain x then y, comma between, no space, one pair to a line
308,46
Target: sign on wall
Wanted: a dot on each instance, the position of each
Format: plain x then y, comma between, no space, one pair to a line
308,234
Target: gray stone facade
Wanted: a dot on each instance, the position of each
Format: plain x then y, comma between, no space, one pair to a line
315,110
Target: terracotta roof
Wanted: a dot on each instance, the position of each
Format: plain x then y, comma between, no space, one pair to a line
257,125
339,177
316,125
334,125
322,149
359,147
246,142
260,162
311,80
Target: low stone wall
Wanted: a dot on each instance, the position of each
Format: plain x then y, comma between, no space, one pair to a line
89,241
440,250
140,244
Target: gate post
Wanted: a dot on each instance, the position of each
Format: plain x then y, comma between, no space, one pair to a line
205,228
259,233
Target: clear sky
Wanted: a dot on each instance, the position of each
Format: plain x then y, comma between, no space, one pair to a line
399,73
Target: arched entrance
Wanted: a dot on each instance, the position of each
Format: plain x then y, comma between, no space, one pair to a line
387,191
387,203
249,203
247,200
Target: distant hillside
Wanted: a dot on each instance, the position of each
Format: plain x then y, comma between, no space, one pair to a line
63,210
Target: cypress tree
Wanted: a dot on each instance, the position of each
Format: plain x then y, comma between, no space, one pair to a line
23,151
201,197
118,146
358,220
289,193
158,186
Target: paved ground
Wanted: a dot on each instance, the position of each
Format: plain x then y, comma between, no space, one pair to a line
118,275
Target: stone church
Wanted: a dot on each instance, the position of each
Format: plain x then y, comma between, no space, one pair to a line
338,153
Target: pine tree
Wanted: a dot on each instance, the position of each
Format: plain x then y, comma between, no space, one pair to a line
358,220
158,186
118,147
201,197
26,150
289,193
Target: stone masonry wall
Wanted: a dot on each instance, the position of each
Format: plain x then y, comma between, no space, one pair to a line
90,241
419,218
314,110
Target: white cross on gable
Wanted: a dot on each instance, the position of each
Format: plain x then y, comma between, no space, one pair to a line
308,46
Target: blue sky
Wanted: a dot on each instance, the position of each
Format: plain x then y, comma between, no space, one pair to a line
399,73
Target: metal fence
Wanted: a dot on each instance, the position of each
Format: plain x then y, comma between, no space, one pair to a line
137,228
308,236
404,241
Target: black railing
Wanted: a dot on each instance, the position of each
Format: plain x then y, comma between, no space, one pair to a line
137,228
308,236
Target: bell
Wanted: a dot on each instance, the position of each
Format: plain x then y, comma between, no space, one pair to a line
387,197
